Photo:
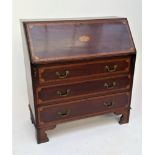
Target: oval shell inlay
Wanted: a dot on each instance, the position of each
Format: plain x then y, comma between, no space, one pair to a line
84,38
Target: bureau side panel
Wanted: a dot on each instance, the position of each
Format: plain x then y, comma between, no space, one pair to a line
28,71
132,70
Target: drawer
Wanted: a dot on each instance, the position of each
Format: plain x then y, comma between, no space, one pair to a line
67,72
62,92
83,108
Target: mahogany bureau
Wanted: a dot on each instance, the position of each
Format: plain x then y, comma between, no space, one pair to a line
77,69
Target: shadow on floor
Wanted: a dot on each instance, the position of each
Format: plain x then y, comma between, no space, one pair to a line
83,124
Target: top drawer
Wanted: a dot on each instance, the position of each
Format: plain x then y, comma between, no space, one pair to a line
81,70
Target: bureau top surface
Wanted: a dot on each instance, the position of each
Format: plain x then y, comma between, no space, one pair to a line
51,41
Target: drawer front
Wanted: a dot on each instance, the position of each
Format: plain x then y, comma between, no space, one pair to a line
62,92
66,72
82,108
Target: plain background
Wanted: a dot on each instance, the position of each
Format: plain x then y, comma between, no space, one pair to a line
93,136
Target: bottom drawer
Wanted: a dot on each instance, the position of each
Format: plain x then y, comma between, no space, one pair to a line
77,109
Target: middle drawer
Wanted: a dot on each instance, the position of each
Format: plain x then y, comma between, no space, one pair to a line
83,89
